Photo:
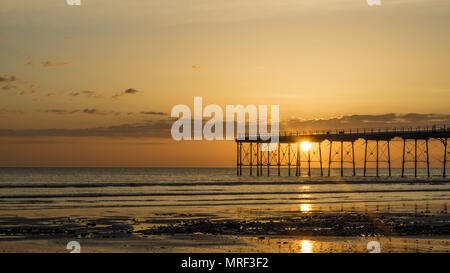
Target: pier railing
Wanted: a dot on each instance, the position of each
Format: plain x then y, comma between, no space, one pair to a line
355,131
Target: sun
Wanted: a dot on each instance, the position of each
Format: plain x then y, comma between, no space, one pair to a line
305,146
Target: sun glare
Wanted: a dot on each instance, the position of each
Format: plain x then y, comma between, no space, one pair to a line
305,146
306,246
305,207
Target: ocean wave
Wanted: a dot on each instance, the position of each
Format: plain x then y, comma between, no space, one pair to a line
231,183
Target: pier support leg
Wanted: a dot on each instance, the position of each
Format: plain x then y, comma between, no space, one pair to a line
428,158
389,156
279,159
260,159
320,158
257,159
353,158
415,157
377,158
237,158
289,159
342,158
403,158
365,158
268,161
309,162
251,159
297,169
445,158
240,159
329,158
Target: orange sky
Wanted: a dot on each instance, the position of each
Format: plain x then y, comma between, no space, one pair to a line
93,85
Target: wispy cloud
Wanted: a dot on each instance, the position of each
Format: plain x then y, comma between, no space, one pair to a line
367,121
11,111
129,91
9,87
59,111
48,63
158,129
8,78
154,113
53,64
87,93
30,63
68,112
91,111
161,128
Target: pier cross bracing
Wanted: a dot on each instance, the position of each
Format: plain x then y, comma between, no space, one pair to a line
288,153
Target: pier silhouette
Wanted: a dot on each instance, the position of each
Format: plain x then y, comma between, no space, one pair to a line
252,155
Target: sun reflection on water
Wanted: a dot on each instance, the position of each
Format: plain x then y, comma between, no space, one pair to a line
305,207
306,246
304,188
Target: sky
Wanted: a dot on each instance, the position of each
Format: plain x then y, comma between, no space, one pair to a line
93,85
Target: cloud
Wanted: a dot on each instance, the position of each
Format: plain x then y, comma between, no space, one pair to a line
8,78
9,87
87,93
154,113
366,121
52,64
59,111
30,63
12,82
129,91
9,111
74,94
159,129
90,111
47,64
68,112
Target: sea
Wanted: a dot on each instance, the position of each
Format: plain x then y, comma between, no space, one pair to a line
212,193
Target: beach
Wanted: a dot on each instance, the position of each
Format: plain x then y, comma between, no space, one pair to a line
331,233
212,210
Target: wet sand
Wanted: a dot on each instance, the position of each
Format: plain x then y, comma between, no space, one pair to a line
199,243
421,231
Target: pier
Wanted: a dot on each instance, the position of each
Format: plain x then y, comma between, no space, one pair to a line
341,150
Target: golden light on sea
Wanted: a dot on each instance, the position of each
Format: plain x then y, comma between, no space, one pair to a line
306,246
305,207
305,188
